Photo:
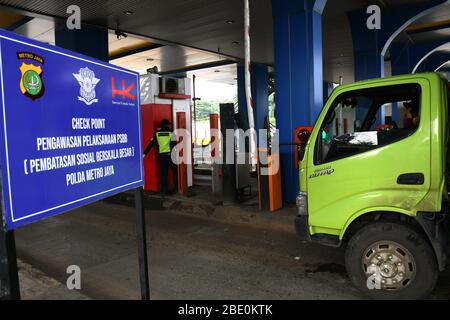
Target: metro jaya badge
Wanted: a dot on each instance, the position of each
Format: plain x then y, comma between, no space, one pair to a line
31,83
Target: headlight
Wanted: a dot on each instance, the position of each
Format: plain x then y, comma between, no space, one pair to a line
302,203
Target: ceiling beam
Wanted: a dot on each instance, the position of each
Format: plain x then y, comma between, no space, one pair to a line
19,23
199,67
427,27
134,50
10,19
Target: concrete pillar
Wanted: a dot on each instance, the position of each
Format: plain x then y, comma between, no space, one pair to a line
400,58
89,40
298,77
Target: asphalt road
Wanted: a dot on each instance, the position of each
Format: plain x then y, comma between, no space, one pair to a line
190,258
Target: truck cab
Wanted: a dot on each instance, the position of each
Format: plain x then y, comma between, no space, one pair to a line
373,177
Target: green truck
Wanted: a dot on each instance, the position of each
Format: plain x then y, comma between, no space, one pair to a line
374,177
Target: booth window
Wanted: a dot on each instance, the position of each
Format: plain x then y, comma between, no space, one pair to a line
362,120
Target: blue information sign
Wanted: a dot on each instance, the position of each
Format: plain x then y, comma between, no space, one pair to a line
70,130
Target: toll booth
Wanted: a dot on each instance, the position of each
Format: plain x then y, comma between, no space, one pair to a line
166,98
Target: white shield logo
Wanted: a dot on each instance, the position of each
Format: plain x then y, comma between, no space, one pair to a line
87,80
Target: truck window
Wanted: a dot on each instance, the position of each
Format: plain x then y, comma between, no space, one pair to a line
359,121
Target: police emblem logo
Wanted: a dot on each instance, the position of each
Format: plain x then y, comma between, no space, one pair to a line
87,80
31,83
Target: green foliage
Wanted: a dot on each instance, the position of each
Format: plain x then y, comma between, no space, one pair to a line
272,118
204,108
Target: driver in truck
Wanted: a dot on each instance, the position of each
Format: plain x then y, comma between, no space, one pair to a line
411,115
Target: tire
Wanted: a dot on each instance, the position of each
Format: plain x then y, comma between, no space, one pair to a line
395,254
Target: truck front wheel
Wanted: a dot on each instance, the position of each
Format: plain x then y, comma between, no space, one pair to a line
388,260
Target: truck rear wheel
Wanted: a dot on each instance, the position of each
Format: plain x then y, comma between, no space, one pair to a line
387,260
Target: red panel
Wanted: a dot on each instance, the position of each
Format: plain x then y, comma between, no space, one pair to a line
214,129
174,96
193,134
152,114
182,169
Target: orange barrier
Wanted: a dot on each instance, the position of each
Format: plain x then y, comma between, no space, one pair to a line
269,185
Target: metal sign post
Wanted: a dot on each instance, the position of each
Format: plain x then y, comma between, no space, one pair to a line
9,276
142,244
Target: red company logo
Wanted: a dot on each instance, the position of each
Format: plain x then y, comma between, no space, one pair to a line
124,93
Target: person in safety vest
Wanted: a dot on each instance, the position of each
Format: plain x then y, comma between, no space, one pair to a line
165,139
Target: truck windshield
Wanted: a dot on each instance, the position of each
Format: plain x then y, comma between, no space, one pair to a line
362,120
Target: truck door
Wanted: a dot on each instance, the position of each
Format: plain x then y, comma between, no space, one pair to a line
374,163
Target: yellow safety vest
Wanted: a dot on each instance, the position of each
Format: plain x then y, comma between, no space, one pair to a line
163,138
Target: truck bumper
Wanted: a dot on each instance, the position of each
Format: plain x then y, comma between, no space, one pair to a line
301,226
301,221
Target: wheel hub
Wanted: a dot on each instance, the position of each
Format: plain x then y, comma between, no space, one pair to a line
389,265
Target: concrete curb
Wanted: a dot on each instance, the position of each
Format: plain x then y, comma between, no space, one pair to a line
282,220
248,215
